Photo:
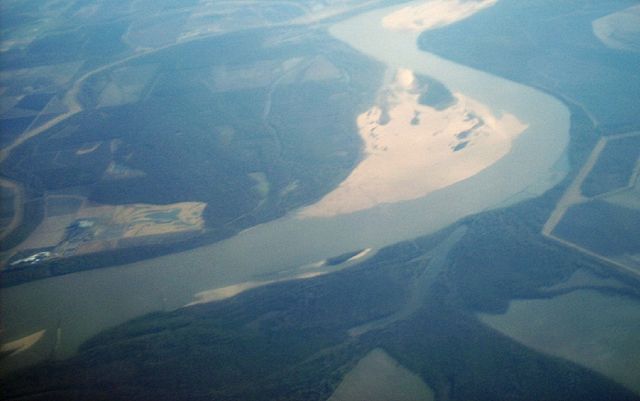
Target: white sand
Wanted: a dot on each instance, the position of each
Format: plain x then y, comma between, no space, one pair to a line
218,294
433,14
359,256
413,154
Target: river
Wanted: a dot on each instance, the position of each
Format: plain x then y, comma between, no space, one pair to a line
77,306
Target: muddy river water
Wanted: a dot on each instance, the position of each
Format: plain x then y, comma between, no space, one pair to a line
74,307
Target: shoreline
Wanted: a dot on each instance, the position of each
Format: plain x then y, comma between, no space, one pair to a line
124,292
412,149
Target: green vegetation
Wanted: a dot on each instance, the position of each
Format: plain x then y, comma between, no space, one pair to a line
433,93
289,340
241,348
191,133
462,359
33,212
603,227
549,45
12,127
98,43
614,167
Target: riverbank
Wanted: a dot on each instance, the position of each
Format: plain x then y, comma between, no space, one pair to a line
106,297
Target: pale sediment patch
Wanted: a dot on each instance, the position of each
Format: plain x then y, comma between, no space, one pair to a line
360,255
433,14
219,294
620,30
368,252
88,148
22,344
314,265
594,329
413,149
310,270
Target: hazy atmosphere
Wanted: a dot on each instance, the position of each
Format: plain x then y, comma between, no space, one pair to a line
353,200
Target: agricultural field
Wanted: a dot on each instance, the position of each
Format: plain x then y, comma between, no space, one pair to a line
72,227
249,122
600,212
160,153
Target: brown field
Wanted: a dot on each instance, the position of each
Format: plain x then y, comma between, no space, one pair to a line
96,228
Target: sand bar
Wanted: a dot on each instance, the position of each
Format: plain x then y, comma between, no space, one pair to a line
620,30
535,163
411,150
22,344
433,14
